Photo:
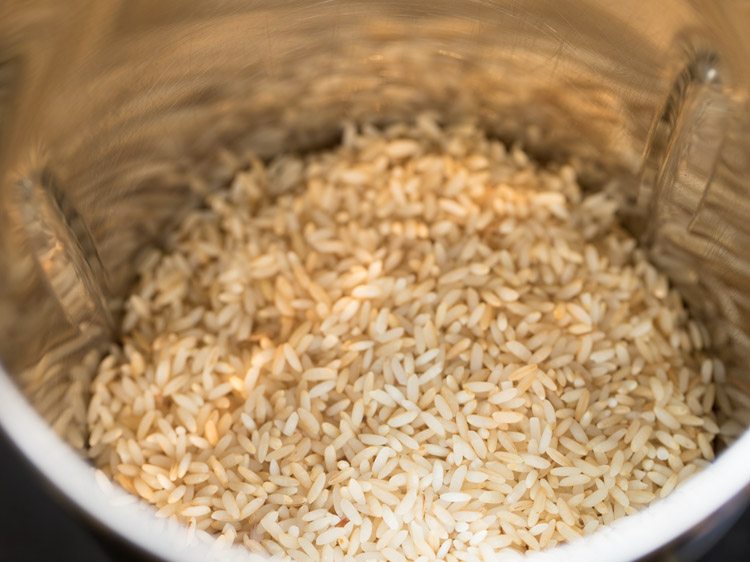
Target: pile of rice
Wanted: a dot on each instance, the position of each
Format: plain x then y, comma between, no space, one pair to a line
418,345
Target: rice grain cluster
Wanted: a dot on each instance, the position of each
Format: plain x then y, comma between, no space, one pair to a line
419,345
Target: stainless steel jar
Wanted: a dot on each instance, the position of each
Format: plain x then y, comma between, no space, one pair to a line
115,116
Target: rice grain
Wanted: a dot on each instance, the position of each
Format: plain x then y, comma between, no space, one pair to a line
428,347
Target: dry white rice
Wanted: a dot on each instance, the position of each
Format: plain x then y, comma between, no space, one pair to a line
416,346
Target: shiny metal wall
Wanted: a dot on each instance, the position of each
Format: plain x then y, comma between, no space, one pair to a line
115,115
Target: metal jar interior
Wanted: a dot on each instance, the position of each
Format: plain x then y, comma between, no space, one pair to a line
115,116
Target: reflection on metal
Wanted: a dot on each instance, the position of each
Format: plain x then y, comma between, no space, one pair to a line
114,116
